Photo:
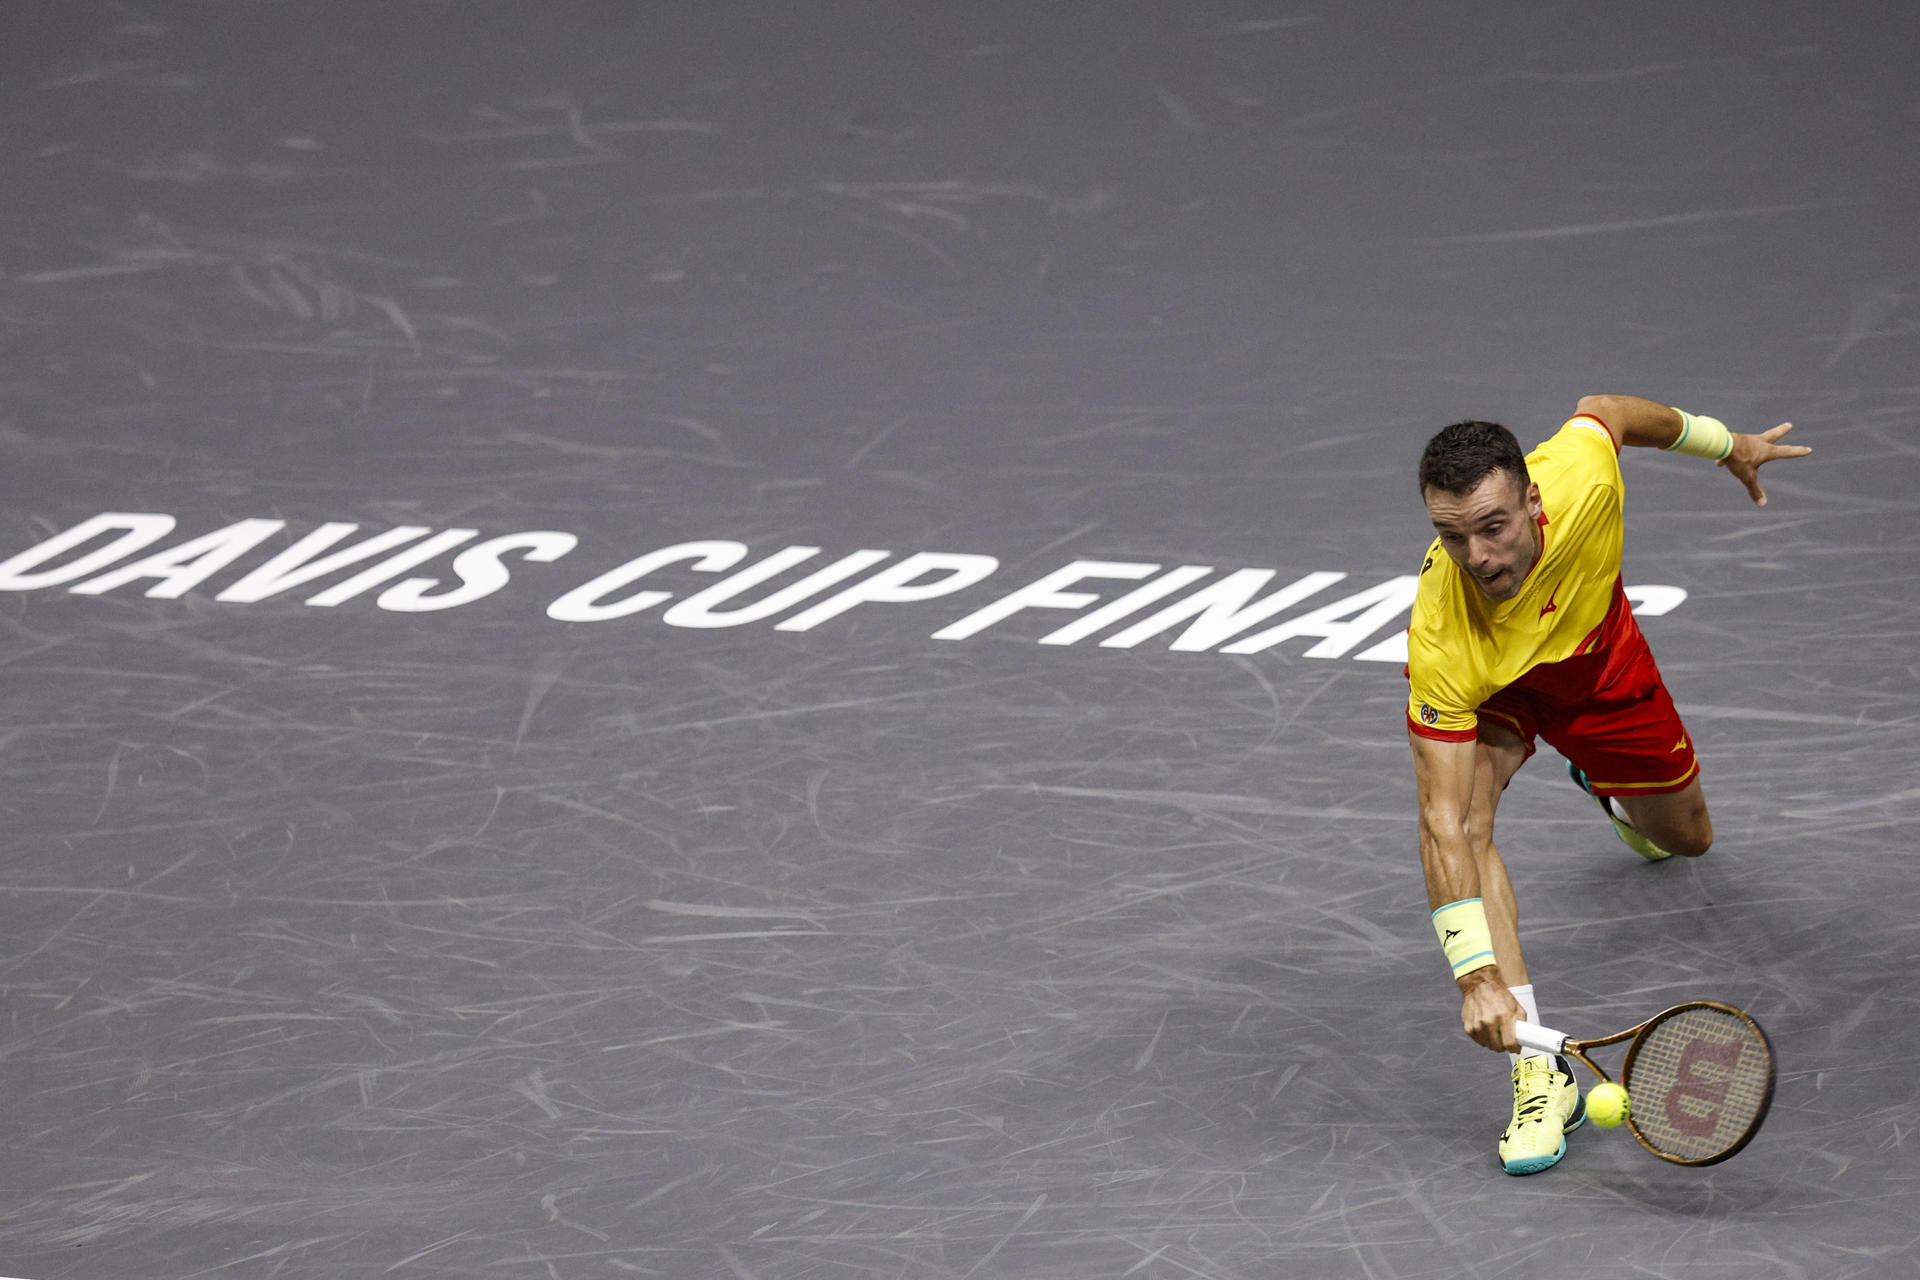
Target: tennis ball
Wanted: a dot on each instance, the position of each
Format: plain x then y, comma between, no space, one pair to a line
1607,1104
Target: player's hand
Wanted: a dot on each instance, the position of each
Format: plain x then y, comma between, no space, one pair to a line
1750,452
1488,1011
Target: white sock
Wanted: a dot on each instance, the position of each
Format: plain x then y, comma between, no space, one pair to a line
1619,814
1525,996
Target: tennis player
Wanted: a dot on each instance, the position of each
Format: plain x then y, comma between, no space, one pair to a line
1521,630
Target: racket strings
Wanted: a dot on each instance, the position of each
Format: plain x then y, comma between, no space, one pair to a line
1700,1082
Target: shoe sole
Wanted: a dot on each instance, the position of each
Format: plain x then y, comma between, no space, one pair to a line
1535,1164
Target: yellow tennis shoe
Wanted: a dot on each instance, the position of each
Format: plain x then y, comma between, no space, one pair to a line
1628,836
1547,1106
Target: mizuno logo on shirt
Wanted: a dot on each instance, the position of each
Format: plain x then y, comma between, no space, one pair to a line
1550,605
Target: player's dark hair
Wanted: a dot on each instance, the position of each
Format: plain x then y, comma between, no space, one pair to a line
1459,457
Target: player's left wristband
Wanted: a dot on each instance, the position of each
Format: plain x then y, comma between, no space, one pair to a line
1701,436
1464,936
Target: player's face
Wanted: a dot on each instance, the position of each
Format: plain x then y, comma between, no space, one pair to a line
1492,532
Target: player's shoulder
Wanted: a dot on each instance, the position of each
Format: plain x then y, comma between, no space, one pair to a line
1440,621
1583,437
1436,580
1445,665
1581,454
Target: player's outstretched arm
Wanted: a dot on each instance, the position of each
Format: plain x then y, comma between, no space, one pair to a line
1650,424
1444,774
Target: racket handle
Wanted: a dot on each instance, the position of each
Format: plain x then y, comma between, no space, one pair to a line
1538,1039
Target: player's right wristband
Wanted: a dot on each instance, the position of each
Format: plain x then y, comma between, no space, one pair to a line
1464,935
1702,437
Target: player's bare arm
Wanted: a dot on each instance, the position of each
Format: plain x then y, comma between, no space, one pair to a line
1650,424
1453,859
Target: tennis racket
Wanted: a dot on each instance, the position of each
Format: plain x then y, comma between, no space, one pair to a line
1699,1078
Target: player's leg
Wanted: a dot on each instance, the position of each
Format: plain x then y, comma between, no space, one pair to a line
1677,822
1631,753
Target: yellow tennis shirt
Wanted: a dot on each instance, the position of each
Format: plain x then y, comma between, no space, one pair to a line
1462,648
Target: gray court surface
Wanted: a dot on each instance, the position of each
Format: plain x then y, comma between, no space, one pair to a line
602,890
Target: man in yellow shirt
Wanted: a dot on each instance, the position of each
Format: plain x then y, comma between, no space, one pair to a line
1521,629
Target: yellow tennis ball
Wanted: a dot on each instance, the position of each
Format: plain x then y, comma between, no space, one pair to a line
1607,1104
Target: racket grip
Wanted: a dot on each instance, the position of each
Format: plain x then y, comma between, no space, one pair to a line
1538,1039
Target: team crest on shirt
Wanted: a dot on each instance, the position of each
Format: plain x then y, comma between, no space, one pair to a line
1428,715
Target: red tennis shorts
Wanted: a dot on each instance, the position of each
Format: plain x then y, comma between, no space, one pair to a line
1608,712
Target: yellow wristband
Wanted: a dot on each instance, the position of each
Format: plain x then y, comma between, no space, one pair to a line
1703,437
1464,935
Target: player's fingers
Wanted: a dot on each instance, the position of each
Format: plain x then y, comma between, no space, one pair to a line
1776,433
1488,1034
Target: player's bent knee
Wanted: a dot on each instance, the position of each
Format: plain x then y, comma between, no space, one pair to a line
1691,847
1685,830
1691,841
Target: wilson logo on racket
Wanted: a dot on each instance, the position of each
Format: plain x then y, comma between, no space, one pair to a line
1700,1086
